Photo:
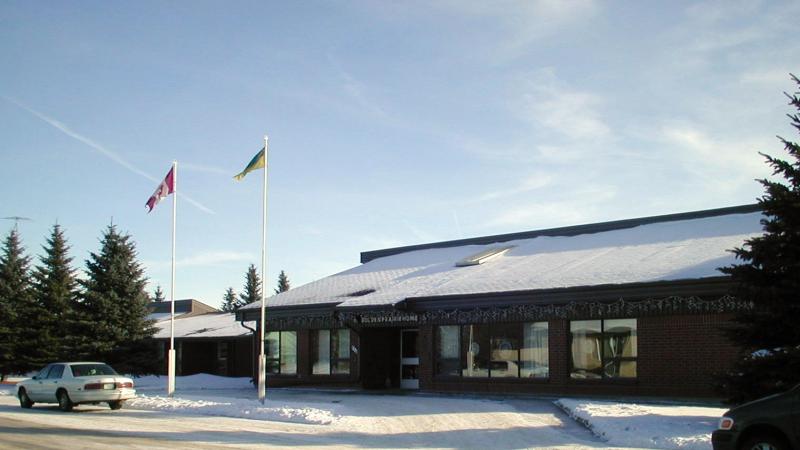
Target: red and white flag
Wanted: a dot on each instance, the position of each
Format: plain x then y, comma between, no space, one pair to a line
164,189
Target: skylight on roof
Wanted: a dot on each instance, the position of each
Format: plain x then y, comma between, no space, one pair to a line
482,257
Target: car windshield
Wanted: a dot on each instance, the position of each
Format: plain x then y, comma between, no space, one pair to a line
88,370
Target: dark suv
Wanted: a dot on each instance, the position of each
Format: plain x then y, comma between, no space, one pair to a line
768,423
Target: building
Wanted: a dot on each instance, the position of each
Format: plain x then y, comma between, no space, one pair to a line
206,340
630,307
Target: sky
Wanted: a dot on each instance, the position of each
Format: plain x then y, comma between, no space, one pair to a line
389,123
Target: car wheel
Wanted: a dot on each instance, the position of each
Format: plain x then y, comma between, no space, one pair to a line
64,403
764,442
115,405
24,400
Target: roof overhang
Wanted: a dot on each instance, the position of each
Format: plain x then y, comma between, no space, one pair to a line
704,287
316,309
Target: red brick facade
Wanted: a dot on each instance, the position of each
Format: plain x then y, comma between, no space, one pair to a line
677,356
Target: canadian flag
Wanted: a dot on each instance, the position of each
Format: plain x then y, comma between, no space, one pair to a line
164,189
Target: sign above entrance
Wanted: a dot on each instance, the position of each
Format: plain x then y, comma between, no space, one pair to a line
379,318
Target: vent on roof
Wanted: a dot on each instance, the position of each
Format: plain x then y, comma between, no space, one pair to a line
482,257
360,293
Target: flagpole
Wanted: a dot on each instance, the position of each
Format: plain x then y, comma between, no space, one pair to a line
171,357
262,358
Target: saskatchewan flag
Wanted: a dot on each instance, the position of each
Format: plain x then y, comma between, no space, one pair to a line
256,163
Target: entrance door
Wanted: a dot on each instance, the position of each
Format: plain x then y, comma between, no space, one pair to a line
409,359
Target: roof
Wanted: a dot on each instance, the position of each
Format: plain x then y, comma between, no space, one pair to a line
686,246
211,325
161,310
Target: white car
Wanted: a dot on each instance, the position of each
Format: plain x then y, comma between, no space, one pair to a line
74,383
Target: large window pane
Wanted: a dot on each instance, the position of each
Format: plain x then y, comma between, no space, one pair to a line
586,351
321,352
340,357
447,346
619,348
534,355
475,347
288,352
504,358
272,349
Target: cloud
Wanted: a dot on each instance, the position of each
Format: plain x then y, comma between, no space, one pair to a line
356,89
524,23
102,150
213,258
556,212
532,183
548,103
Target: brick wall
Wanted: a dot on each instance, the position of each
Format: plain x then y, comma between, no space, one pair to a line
678,356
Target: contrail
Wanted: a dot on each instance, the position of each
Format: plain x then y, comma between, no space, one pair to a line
102,150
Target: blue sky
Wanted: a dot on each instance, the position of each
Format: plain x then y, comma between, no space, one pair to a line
390,123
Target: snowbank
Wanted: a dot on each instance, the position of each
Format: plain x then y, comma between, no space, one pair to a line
194,382
648,426
241,408
194,396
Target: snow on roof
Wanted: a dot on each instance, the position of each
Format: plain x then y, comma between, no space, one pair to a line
203,326
670,250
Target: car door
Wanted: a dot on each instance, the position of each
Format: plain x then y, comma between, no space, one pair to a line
51,384
35,386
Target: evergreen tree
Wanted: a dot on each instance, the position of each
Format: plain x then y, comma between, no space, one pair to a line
158,294
252,287
283,283
115,307
229,301
55,292
769,276
16,302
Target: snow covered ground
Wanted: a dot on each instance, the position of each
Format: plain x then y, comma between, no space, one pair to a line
646,425
369,420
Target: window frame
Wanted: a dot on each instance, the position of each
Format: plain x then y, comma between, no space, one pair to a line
334,359
492,336
279,358
603,359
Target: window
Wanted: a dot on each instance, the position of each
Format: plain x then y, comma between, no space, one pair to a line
603,348
56,372
281,352
330,352
447,350
510,350
534,355
475,348
504,357
222,351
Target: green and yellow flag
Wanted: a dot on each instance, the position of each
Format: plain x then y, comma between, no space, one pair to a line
256,163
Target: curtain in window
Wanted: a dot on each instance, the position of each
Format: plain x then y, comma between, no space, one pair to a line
535,357
321,352
447,346
340,358
586,351
288,352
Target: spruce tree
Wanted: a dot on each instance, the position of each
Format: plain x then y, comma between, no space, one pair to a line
769,277
16,304
283,283
252,287
115,306
55,292
229,301
158,294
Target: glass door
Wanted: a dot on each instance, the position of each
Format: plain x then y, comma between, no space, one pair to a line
409,359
